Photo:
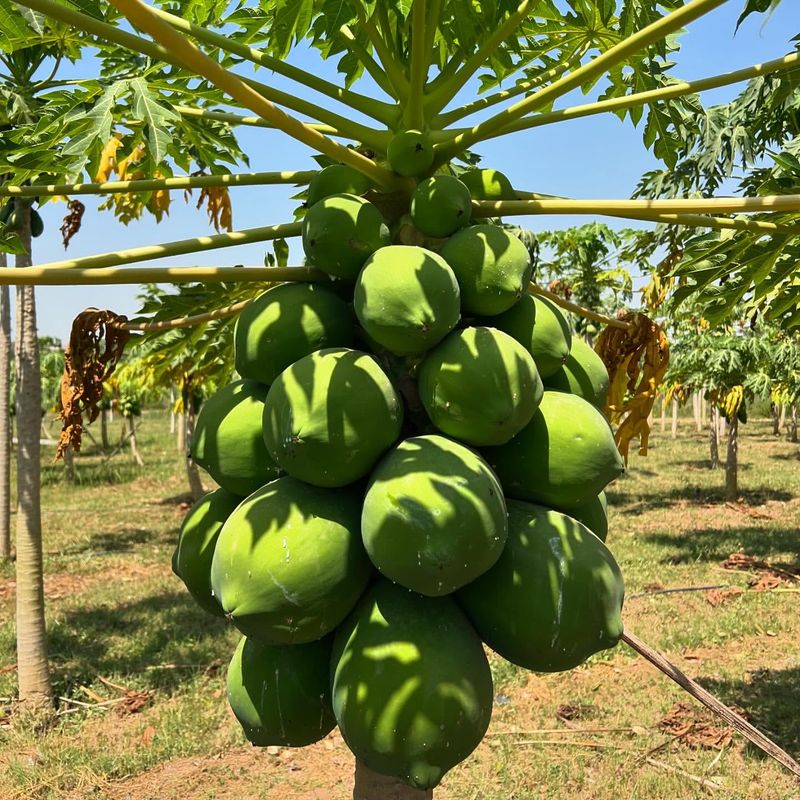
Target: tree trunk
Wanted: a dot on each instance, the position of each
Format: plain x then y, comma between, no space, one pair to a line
713,440
776,418
663,413
33,673
696,408
104,428
793,425
172,409
674,419
732,462
703,411
723,426
192,471
180,421
5,419
783,416
370,785
69,465
137,456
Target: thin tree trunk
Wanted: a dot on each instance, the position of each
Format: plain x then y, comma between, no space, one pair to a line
5,418
137,456
370,785
663,413
33,673
782,421
104,428
172,409
732,462
703,412
793,425
723,426
696,408
69,465
192,471
713,440
776,418
674,419
180,421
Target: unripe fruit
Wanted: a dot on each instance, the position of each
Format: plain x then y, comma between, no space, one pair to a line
410,153
440,206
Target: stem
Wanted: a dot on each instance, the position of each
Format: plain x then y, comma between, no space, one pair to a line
588,72
642,208
645,98
150,185
392,69
190,56
446,73
586,313
415,110
452,87
54,276
747,730
187,322
178,248
369,63
236,119
434,16
378,110
521,87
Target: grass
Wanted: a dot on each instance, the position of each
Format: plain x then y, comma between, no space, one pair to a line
116,612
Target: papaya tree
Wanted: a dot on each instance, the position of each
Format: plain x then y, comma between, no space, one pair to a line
387,226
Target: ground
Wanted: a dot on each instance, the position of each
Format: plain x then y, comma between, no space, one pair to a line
140,670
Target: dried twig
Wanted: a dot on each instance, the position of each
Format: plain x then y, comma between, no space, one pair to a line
669,768
680,590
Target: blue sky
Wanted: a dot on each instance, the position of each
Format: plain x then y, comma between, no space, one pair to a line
598,156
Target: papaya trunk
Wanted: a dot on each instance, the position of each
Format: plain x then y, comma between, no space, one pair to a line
696,402
137,456
69,465
192,471
370,785
713,440
104,428
732,461
663,413
33,672
5,419
674,419
793,425
172,409
783,416
776,418
180,421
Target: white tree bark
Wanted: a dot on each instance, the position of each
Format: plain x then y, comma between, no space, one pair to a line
5,418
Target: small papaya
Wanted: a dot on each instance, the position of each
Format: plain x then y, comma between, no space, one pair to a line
37,224
553,598
410,153
488,184
412,688
337,179
440,205
583,374
281,694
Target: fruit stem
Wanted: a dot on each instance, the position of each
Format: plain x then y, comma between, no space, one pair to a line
584,75
586,313
156,184
369,63
750,732
394,73
415,110
190,56
49,276
377,109
677,89
187,322
447,91
178,248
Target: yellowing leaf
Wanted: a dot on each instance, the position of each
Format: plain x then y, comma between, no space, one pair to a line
108,159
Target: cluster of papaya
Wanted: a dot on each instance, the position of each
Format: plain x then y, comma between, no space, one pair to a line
11,217
411,465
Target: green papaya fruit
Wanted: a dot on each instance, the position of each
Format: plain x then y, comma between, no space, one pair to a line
37,224
407,298
191,561
555,596
330,416
434,516
410,153
563,458
488,184
594,515
337,179
341,232
440,206
14,222
479,385
412,688
5,211
493,268
228,442
583,374
541,327
286,323
289,564
281,694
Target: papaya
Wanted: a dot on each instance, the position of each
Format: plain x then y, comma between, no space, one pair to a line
37,225
440,205
341,232
412,688
488,184
228,442
289,564
563,458
14,221
286,323
434,517
330,416
407,298
337,179
5,211
541,327
479,385
594,515
583,374
191,561
281,694
410,153
492,266
555,596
